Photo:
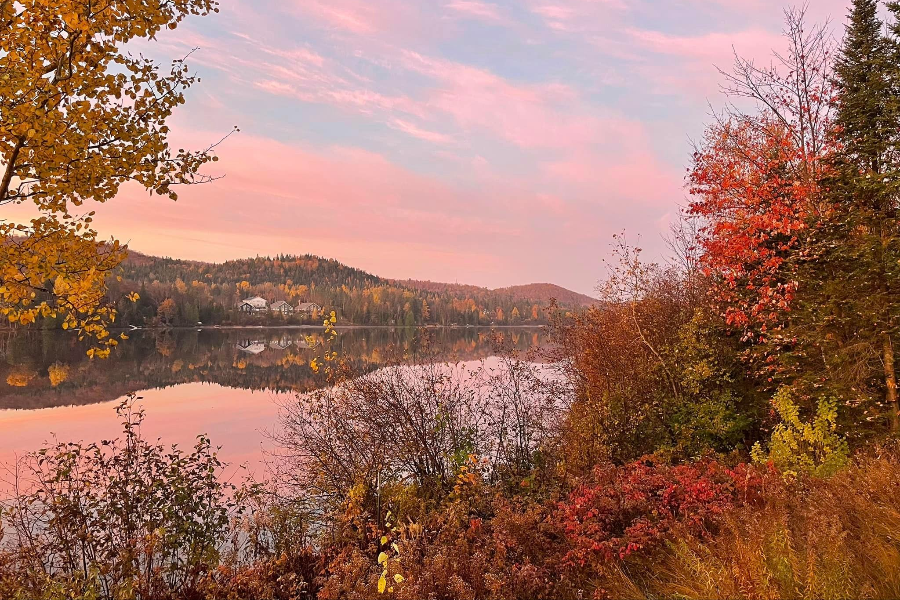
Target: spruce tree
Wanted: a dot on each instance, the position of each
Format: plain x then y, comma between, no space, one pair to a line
894,48
851,308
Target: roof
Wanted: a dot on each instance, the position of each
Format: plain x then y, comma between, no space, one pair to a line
256,302
308,306
252,347
280,305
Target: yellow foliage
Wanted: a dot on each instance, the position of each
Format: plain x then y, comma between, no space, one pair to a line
78,118
20,377
59,373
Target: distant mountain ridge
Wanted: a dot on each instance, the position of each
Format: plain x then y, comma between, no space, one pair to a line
540,292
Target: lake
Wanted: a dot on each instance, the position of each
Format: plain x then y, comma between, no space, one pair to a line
221,382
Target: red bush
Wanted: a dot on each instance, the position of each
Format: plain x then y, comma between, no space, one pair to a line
631,508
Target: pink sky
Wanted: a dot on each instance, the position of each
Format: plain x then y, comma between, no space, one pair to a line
491,143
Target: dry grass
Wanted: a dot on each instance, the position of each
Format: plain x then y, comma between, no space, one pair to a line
837,538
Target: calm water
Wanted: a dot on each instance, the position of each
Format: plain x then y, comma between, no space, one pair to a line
223,382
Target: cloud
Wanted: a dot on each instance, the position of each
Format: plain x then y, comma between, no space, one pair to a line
710,46
577,15
352,16
414,145
447,95
476,10
689,64
422,134
369,211
530,116
350,197
366,19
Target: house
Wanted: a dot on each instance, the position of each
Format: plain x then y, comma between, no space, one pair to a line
307,342
282,344
251,346
282,307
253,305
308,309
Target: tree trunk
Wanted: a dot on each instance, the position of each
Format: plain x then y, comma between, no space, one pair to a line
10,170
890,380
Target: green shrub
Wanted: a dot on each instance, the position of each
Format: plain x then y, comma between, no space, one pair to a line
804,447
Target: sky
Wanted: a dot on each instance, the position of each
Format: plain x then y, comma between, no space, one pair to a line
484,142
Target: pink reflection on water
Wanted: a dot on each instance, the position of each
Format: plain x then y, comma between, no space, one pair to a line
234,419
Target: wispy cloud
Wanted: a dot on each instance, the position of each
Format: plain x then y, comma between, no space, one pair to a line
353,16
577,15
408,125
418,132
476,10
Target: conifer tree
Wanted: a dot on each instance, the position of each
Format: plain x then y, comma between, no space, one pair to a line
851,308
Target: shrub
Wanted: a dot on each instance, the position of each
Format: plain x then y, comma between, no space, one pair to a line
630,509
653,369
402,434
798,446
282,578
490,548
120,519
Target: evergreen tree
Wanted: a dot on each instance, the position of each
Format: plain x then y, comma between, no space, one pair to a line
850,309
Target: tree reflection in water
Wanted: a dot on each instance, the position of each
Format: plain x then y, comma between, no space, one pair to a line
48,369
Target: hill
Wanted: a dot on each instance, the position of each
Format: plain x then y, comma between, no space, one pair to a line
306,269
534,292
544,292
209,292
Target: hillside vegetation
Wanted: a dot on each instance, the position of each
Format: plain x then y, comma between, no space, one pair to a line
209,292
536,292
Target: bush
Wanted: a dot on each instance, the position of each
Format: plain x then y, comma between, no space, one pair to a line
400,435
120,519
797,446
487,547
630,509
654,371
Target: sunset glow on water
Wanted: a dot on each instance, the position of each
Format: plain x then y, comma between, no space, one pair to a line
235,419
191,383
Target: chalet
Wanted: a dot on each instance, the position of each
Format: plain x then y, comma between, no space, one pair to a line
281,344
254,305
251,346
308,309
282,307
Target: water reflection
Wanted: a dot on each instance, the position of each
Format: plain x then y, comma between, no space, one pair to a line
219,382
49,369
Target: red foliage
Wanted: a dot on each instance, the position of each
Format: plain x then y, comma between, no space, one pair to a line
755,176
631,508
747,189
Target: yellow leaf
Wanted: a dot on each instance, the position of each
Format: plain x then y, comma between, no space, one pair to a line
398,578
382,558
382,584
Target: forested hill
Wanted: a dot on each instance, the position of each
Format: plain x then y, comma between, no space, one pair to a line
539,292
307,269
182,292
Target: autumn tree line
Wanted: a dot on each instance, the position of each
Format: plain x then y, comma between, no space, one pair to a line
181,293
723,424
45,371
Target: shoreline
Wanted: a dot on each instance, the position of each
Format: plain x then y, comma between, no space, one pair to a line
337,327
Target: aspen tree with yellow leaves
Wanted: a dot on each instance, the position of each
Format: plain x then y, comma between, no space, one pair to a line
80,117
